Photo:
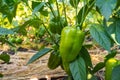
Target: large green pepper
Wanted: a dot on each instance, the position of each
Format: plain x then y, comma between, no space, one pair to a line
56,24
71,43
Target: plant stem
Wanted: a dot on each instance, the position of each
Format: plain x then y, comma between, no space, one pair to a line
57,8
76,16
50,35
51,10
85,13
90,6
64,10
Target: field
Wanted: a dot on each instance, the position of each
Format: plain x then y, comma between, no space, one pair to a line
59,39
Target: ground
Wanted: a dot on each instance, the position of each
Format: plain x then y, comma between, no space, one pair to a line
18,70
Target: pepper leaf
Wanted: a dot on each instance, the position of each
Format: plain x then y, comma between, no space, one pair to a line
78,69
100,35
98,67
113,28
106,7
5,31
116,73
39,54
86,56
8,8
111,55
38,7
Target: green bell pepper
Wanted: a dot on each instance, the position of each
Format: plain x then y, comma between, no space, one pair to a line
71,43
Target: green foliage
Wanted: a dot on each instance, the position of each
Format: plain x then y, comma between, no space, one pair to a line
57,24
51,1
8,8
21,29
86,56
37,7
5,31
78,69
83,12
106,7
110,55
5,57
40,32
74,3
115,73
112,27
3,36
99,34
99,66
99,19
39,54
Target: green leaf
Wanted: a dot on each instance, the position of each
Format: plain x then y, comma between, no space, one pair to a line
5,57
110,55
26,1
86,56
118,4
38,7
51,1
98,66
85,10
20,29
4,7
5,31
74,3
44,12
10,43
38,55
116,73
100,35
78,69
113,28
8,8
106,7
35,22
40,32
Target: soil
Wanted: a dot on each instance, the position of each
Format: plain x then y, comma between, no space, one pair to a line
17,69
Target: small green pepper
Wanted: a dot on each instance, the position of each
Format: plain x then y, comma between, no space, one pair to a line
54,60
110,64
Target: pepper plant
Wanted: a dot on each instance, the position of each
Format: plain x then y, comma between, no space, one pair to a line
67,24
